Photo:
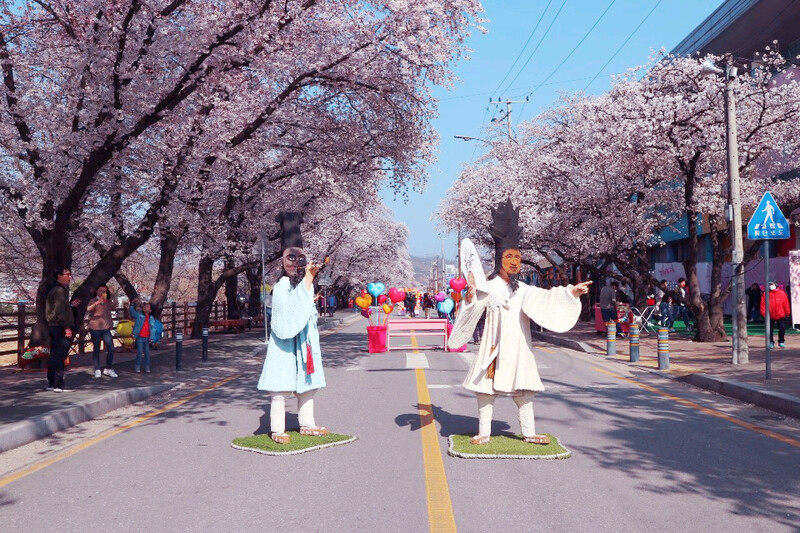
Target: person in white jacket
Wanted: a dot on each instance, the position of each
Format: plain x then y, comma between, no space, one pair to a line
505,363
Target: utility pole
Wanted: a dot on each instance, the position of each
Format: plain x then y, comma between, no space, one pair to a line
508,111
741,352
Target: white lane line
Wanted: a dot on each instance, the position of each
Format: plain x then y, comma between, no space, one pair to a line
439,386
416,360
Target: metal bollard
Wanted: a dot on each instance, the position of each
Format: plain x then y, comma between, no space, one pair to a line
634,338
205,344
178,351
663,348
611,339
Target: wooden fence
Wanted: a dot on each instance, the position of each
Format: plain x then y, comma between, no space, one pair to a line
15,326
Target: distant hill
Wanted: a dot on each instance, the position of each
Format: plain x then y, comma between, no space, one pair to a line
422,269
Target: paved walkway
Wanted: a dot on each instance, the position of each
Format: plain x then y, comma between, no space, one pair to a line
708,365
29,412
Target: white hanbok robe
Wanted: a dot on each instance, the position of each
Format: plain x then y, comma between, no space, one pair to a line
293,329
507,333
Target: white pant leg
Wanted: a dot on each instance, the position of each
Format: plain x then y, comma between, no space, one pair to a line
485,410
524,402
277,412
305,409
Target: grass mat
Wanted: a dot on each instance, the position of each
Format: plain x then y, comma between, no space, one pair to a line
299,444
506,447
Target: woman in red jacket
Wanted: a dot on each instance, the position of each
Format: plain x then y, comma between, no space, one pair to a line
778,311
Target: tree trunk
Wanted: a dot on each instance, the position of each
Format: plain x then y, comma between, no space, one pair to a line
254,301
166,264
205,296
232,292
705,332
55,249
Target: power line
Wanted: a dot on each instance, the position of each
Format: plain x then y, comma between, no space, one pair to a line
511,68
537,45
623,44
596,22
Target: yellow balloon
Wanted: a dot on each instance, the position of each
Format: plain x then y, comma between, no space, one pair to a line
387,308
125,328
363,301
127,341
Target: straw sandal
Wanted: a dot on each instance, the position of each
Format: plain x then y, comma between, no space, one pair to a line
478,440
538,439
314,431
281,438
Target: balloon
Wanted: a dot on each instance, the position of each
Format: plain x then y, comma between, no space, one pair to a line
382,298
397,295
456,296
447,306
387,308
458,284
363,292
439,307
440,297
127,341
125,328
366,312
364,301
375,288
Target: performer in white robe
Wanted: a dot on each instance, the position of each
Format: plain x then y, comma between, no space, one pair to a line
505,363
293,364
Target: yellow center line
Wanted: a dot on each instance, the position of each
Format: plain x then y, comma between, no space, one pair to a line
548,350
712,412
5,480
440,509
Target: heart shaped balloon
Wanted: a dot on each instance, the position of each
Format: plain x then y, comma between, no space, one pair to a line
447,306
456,296
397,295
440,297
439,307
364,301
366,312
363,292
387,308
382,298
458,284
375,288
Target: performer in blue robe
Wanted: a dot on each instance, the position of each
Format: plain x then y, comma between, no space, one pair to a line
293,364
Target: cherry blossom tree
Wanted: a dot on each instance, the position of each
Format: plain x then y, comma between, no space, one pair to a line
110,106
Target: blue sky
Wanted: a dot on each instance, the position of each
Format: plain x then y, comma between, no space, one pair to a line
550,69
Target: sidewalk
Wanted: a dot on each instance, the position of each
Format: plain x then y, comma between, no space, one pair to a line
706,365
28,412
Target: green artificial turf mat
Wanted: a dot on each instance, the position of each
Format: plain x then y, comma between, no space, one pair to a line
300,443
506,447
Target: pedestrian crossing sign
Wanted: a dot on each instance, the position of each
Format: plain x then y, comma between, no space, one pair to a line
768,222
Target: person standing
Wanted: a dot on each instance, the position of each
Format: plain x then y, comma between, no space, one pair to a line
293,364
608,303
331,305
100,323
778,311
505,363
410,303
753,302
60,316
665,306
427,305
146,329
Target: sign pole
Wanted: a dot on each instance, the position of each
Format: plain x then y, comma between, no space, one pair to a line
767,320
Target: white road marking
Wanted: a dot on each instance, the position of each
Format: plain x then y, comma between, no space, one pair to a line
416,360
439,386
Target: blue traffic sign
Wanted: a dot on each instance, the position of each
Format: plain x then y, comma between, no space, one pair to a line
767,221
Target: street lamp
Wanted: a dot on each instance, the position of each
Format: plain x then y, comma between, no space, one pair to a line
740,351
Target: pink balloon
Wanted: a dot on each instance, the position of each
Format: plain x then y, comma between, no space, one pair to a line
458,284
440,297
397,295
381,299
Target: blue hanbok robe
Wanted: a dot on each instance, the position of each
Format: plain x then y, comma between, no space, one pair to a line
292,329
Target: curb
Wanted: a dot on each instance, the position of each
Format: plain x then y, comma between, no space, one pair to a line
774,401
26,431
567,343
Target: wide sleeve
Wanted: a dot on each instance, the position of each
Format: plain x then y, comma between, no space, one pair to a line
291,309
467,319
555,309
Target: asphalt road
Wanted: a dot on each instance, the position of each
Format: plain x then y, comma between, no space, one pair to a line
648,454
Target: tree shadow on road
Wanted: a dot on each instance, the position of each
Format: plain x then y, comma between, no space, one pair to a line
651,439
